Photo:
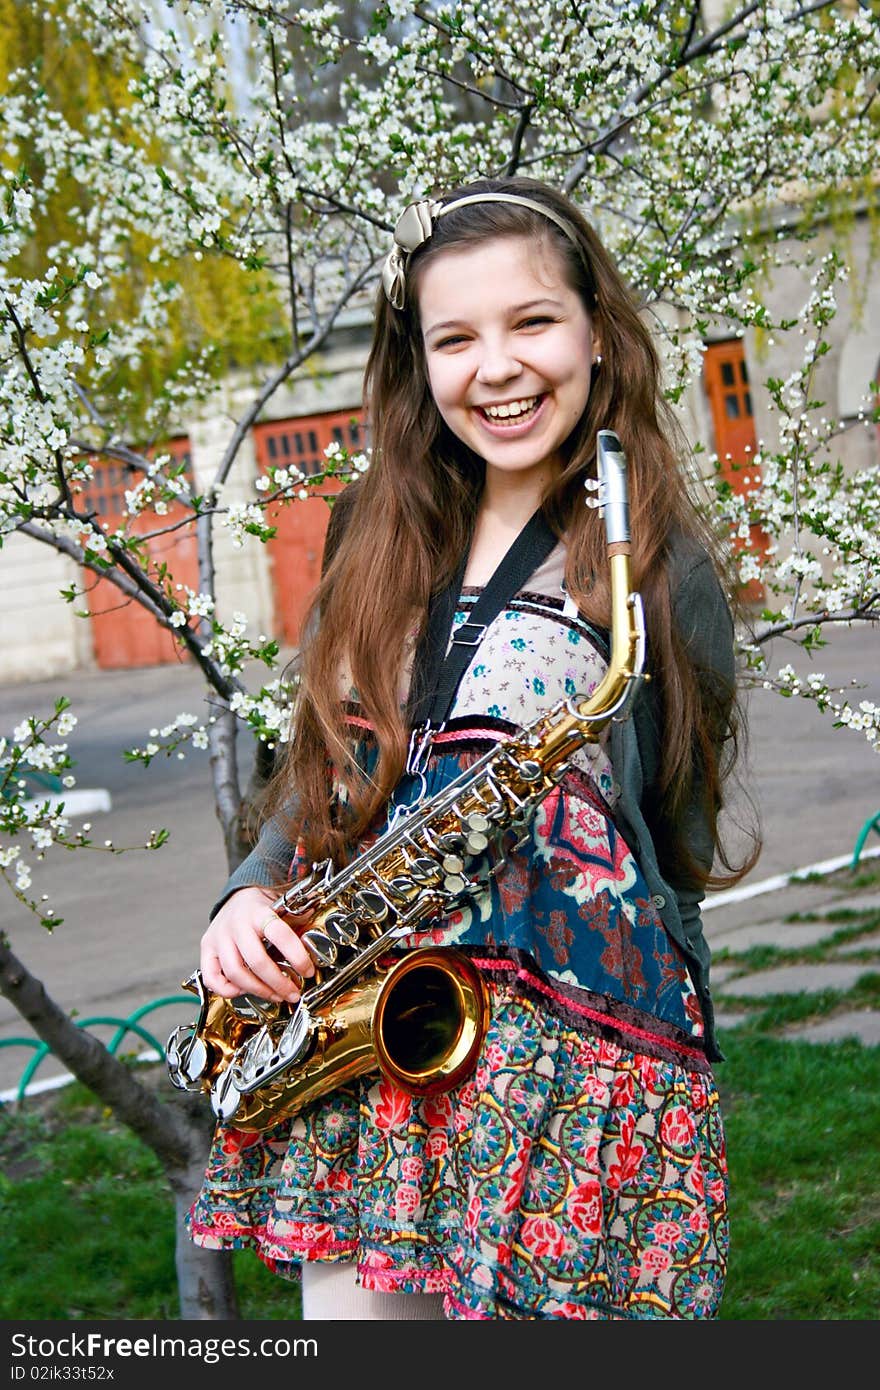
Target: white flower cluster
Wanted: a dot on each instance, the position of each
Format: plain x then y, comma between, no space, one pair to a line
174,737
243,519
30,765
290,483
863,717
281,479
229,645
198,605
269,712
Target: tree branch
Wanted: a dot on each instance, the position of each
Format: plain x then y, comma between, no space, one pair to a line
226,686
518,137
164,1130
868,611
277,379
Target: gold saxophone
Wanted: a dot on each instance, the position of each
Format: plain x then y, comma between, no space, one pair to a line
419,1016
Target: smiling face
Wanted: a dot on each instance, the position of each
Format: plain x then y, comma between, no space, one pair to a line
509,346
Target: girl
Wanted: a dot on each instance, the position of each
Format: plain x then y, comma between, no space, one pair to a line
579,1170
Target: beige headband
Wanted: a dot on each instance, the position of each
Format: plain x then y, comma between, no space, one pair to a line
416,224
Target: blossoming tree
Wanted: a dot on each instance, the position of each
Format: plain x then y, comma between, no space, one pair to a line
283,142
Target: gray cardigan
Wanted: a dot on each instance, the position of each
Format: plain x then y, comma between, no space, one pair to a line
703,619
704,623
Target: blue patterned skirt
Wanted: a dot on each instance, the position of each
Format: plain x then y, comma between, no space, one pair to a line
579,1172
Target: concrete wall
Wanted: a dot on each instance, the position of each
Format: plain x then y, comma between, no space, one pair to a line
40,635
842,378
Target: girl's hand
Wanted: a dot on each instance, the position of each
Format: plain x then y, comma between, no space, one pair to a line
242,946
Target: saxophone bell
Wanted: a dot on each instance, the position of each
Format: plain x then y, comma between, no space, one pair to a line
419,1019
430,1021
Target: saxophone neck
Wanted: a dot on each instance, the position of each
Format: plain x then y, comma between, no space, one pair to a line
614,693
626,662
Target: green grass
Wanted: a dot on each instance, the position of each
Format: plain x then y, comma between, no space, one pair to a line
88,1226
88,1222
802,1124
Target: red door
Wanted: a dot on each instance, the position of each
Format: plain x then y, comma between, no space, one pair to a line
726,379
123,633
295,551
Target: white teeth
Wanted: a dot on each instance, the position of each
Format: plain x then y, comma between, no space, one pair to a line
510,408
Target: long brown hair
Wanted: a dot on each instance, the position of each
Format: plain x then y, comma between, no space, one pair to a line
409,521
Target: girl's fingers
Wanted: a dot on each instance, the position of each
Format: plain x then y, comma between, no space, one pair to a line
241,964
248,949
284,943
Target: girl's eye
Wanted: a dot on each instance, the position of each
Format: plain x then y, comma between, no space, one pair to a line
455,340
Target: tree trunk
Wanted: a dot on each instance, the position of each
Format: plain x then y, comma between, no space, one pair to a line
204,1277
178,1139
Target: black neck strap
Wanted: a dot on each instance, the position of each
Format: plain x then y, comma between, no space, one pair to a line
436,674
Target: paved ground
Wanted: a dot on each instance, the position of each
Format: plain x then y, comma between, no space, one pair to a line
132,922
819,940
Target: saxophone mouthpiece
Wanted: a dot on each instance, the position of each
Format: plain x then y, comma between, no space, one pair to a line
613,491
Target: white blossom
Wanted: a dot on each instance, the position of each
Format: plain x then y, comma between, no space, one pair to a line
706,163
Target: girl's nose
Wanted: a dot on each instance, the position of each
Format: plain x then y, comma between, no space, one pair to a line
497,363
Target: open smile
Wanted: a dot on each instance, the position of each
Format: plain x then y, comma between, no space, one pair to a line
511,417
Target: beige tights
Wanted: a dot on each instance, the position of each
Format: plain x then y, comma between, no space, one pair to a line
329,1294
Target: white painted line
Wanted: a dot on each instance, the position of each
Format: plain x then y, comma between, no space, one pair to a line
54,1083
76,803
768,885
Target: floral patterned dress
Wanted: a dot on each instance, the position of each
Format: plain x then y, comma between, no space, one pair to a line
580,1171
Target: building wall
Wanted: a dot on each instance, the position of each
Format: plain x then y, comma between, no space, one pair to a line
41,634
843,377
42,637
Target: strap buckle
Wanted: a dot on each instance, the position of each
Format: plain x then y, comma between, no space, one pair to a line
420,741
459,641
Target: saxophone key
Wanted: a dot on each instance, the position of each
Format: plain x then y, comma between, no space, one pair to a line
263,1057
423,869
455,884
261,1052
474,828
225,1098
370,904
294,898
319,946
294,1039
449,842
400,888
341,928
187,1057
453,864
494,804
530,770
